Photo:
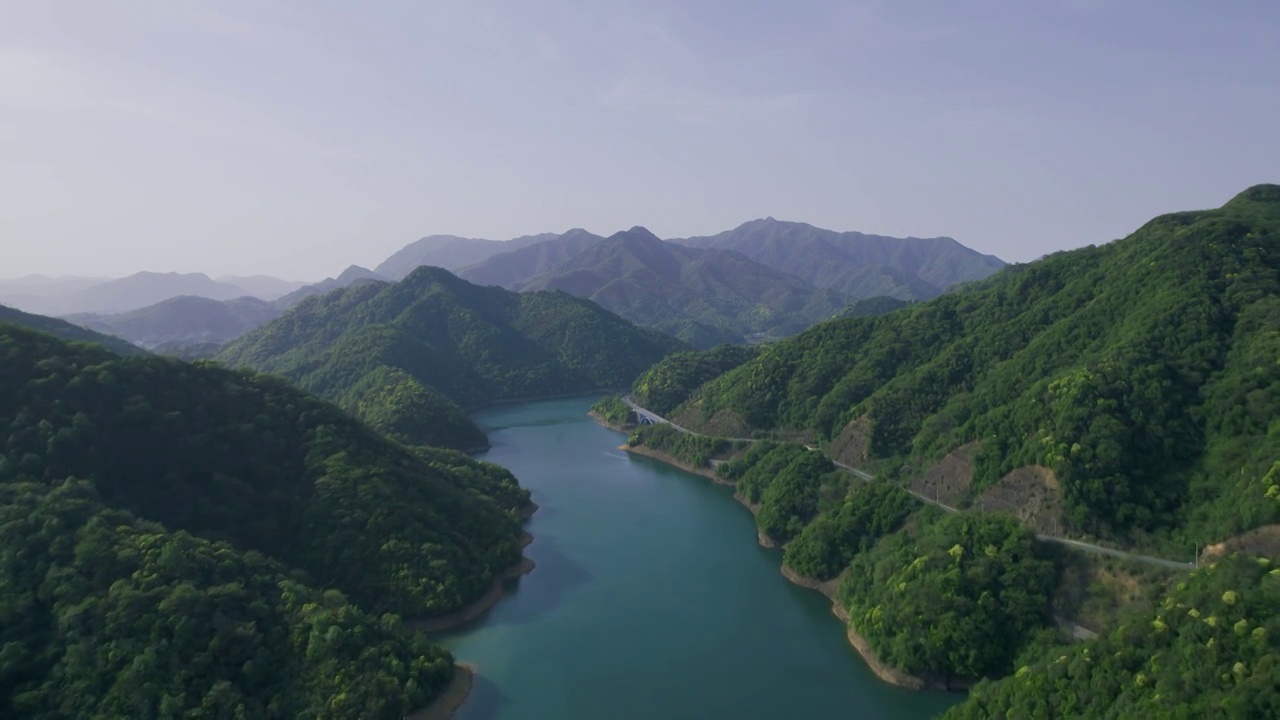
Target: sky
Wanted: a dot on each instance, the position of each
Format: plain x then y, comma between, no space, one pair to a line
297,138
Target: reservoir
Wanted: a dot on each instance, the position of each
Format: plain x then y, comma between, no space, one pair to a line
651,598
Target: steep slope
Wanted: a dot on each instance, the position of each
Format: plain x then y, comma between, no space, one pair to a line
404,356
65,330
162,526
664,386
106,615
255,462
702,296
853,263
451,253
185,319
1141,374
512,269
1208,651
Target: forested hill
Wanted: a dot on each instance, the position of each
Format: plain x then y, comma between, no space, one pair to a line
1141,374
407,356
65,330
120,479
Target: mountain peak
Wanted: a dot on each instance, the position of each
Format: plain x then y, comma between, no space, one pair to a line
1264,194
638,234
355,272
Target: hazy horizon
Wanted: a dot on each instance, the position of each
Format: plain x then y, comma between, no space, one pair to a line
295,139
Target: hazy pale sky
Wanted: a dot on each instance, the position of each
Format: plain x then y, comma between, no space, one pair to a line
296,138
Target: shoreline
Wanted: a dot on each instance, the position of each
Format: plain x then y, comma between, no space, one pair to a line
538,398
605,423
481,605
662,457
448,703
882,670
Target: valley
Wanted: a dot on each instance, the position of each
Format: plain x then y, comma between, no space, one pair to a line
959,477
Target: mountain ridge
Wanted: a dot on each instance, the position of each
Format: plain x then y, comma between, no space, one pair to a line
691,292
408,356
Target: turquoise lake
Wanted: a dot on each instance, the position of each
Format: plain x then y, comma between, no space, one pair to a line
651,598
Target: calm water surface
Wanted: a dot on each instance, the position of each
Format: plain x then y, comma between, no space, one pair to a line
651,598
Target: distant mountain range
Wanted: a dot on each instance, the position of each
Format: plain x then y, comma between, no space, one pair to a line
104,296
351,276
191,326
702,296
512,268
856,264
452,252
65,330
187,319
764,279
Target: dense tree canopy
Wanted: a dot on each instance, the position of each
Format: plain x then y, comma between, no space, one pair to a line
406,356
1211,650
787,481
105,615
958,595
668,383
695,450
827,545
1141,372
612,410
252,461
66,331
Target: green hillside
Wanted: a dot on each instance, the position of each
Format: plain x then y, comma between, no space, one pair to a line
665,385
106,615
252,461
66,330
145,498
1210,650
406,357
703,296
1142,374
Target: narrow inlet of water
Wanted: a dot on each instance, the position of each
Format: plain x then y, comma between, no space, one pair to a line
651,598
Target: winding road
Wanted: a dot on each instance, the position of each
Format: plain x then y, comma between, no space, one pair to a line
1074,544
